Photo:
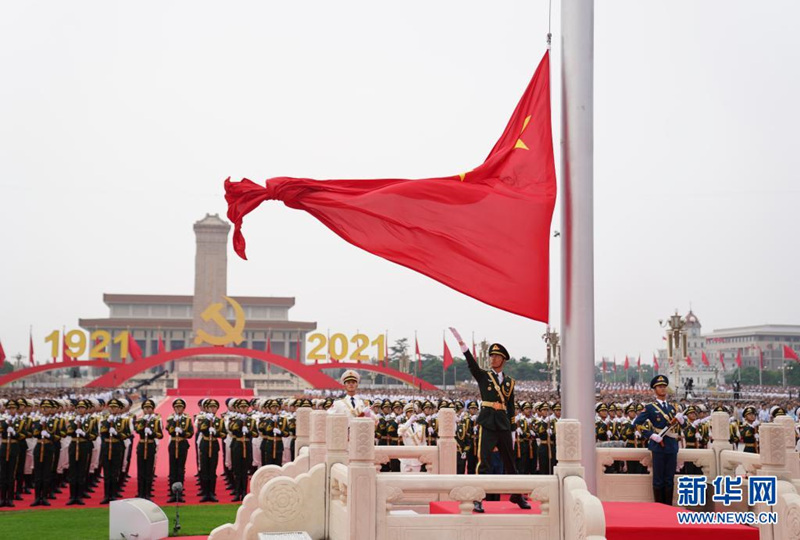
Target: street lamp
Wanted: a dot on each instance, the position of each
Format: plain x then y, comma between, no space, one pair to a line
552,339
676,341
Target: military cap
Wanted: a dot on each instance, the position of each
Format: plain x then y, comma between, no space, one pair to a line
73,402
472,405
525,405
397,403
444,404
630,407
124,403
328,403
350,375
211,402
612,407
496,348
11,404
639,407
601,407
556,406
659,380
22,402
543,405
386,402
690,409
177,402
776,410
114,402
306,403
723,408
408,407
427,404
748,410
458,404
291,402
47,403
149,403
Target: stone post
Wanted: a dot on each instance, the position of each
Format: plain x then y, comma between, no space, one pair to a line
361,479
446,445
773,452
568,456
302,429
336,439
792,457
316,448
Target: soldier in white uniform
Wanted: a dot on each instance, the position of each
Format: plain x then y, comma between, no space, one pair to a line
413,433
351,404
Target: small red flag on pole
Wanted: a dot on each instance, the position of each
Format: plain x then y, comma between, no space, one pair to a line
790,354
760,358
704,358
627,365
722,359
416,351
739,358
30,350
689,361
447,358
133,348
161,348
655,363
604,364
639,362
2,355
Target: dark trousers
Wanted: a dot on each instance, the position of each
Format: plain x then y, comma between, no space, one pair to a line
472,461
42,469
80,453
145,467
271,452
178,450
543,458
111,456
9,464
240,465
209,456
489,439
526,458
664,470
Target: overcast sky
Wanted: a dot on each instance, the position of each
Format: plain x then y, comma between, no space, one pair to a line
120,121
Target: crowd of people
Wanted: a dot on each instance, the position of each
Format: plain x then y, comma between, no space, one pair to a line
54,439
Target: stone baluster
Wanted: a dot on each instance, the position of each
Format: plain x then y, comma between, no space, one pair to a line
316,448
772,449
361,479
446,445
303,429
336,439
721,431
792,457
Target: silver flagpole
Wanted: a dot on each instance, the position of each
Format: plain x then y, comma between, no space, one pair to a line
577,243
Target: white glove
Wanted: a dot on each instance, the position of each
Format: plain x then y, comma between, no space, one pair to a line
148,431
461,343
757,438
680,418
475,429
420,416
549,431
519,431
178,430
11,431
45,434
608,434
245,430
276,431
80,432
212,431
430,431
112,431
463,455
655,437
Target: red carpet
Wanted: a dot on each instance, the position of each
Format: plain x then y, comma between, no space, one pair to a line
160,492
210,388
653,521
491,507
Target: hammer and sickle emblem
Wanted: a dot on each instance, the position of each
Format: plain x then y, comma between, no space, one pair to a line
233,334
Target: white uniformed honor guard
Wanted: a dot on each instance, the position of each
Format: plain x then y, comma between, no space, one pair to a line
351,404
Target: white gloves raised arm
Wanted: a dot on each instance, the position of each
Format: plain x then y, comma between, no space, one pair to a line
461,343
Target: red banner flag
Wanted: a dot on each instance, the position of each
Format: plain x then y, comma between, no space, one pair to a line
722,359
161,348
447,358
689,361
639,362
2,355
626,363
704,358
604,365
485,233
655,364
739,358
64,356
416,351
30,350
133,348
789,353
760,358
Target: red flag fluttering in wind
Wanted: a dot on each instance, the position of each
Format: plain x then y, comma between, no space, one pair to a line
704,358
689,361
655,364
447,358
64,349
133,348
2,355
722,359
639,362
416,351
760,358
739,358
161,348
485,233
627,365
604,364
30,350
788,353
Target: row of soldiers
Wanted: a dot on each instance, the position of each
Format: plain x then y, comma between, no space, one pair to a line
614,426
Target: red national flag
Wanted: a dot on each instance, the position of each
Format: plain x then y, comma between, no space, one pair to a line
739,358
655,364
760,358
416,351
447,358
64,356
485,233
604,365
639,362
689,361
161,348
626,363
2,355
722,359
789,353
30,350
297,352
134,349
704,358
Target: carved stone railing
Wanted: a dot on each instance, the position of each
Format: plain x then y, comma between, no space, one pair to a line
788,509
792,455
583,516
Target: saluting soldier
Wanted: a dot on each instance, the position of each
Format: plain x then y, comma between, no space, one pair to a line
181,430
12,445
82,430
114,430
211,429
149,429
664,421
497,413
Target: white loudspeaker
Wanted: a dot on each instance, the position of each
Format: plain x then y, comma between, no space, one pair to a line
136,519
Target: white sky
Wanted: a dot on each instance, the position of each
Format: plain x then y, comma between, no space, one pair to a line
120,121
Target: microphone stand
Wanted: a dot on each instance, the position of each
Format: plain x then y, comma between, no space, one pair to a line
177,492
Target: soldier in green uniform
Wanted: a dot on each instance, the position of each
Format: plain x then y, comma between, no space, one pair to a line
393,438
497,413
632,437
271,427
526,443
114,430
83,431
149,429
240,429
749,430
691,438
12,444
211,429
181,431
